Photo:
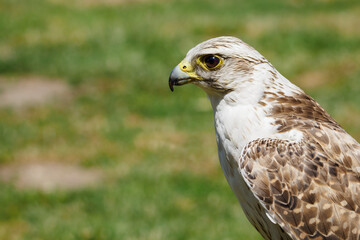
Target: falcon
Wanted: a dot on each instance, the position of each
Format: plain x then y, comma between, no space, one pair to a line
294,170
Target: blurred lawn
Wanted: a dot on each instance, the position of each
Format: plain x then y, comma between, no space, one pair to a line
156,149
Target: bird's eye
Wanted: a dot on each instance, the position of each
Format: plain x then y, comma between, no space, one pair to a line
211,61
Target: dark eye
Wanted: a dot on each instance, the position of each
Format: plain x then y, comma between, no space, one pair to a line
211,61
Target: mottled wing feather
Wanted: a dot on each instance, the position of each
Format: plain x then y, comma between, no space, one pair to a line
303,113
310,192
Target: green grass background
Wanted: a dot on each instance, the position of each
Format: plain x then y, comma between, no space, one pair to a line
156,148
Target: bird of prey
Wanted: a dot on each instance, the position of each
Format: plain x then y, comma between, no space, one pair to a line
294,170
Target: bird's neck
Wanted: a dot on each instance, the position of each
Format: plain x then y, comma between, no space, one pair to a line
249,89
240,123
241,115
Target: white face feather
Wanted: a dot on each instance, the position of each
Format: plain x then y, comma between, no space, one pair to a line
244,70
237,70
227,46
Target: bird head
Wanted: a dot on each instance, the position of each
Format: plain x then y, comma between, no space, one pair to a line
218,66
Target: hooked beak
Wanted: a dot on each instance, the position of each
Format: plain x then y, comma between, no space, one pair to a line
182,74
178,78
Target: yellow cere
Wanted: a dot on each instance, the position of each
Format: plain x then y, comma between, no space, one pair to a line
185,66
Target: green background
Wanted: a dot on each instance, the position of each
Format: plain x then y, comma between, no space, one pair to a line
155,150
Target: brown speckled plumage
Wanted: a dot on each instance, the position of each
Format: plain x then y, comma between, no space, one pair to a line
311,188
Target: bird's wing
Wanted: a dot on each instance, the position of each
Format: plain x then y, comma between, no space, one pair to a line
305,187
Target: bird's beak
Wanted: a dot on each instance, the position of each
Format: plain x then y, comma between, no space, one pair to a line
182,74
